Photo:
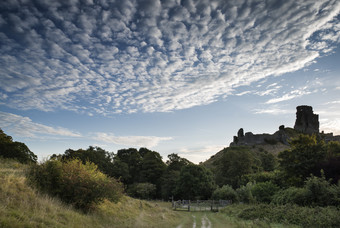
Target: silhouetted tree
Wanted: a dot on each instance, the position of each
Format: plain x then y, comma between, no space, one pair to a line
15,150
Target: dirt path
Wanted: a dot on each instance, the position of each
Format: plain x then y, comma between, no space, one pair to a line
205,222
199,221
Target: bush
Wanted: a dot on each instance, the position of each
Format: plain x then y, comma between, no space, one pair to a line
287,214
244,193
75,183
292,195
264,191
226,192
321,192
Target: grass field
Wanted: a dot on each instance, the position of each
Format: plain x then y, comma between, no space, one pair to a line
23,206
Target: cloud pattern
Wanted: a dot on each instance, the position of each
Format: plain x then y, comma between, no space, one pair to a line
25,127
106,57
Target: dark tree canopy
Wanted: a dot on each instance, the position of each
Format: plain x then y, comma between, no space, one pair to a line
96,155
15,150
235,163
195,182
302,159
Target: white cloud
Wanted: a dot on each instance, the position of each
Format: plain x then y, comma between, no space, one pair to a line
332,125
291,95
149,56
133,141
25,127
272,111
199,154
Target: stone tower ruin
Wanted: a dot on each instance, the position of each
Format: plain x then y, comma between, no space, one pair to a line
306,121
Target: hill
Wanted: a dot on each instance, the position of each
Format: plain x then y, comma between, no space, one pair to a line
306,123
272,146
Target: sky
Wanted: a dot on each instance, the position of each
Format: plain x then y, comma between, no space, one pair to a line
173,76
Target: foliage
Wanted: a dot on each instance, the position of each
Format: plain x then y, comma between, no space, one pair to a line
321,193
195,182
176,163
331,166
264,191
244,193
152,169
302,159
235,162
15,150
226,192
170,177
287,214
317,191
142,190
133,159
268,161
291,195
96,155
81,185
259,177
169,184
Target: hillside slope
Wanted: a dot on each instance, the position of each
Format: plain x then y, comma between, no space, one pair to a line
22,206
273,147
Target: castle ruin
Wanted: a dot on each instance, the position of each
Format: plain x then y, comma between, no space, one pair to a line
306,121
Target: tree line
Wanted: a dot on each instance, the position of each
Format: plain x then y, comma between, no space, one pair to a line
306,174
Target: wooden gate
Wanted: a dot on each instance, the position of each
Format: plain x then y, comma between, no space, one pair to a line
200,205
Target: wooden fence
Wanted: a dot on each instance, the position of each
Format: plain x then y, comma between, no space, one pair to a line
200,205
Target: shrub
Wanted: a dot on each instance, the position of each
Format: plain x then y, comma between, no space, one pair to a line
244,193
288,214
81,185
292,195
226,192
321,192
264,191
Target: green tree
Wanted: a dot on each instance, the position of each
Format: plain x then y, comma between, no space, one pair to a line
302,159
171,175
15,150
176,162
152,169
195,182
133,159
143,190
96,155
235,162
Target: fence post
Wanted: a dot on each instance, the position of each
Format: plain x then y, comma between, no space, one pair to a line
189,206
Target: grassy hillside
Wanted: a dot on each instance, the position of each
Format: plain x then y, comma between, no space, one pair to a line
271,148
22,206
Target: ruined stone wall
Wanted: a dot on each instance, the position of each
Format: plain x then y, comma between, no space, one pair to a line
306,121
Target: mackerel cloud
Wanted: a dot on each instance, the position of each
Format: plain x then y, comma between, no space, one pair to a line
105,57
